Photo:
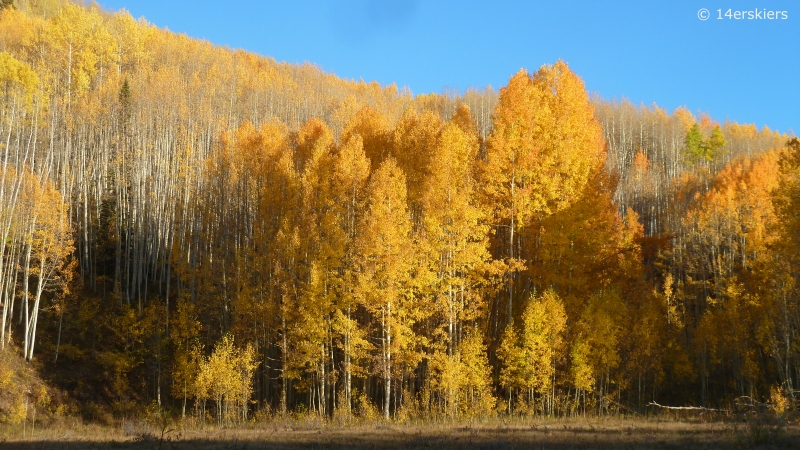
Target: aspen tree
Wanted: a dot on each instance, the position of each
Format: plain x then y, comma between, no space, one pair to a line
476,384
414,144
323,248
49,247
602,328
226,377
373,128
384,263
529,355
454,229
185,335
276,235
545,144
349,186
783,341
20,84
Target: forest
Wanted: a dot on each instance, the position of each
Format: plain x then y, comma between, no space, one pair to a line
201,230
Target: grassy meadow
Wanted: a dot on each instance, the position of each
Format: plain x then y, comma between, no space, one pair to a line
667,431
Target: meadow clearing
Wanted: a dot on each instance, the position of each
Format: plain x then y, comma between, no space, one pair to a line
662,432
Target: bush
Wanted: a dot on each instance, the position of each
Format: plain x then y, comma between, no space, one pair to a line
21,391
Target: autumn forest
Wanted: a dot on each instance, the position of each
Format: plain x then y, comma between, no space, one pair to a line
190,228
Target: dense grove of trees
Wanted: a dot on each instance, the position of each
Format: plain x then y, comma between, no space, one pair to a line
218,233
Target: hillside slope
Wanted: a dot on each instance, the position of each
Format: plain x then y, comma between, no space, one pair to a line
218,233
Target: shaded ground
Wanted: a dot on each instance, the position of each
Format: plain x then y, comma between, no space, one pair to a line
566,434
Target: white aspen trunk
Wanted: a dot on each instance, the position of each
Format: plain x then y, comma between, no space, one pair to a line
284,379
450,314
183,410
58,340
43,277
511,253
6,211
787,341
9,289
25,276
322,397
387,352
347,369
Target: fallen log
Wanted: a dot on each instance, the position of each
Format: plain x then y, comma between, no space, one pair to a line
688,408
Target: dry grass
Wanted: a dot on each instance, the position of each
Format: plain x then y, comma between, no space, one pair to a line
494,434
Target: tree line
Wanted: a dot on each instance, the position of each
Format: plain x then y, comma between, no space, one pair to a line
221,234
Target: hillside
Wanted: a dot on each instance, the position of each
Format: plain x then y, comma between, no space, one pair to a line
221,235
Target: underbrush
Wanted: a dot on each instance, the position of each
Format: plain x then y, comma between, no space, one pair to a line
25,399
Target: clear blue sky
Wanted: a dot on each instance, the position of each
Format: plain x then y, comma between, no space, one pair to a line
647,51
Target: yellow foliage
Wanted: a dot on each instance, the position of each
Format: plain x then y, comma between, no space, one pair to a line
463,380
581,369
20,390
12,397
82,43
227,378
777,397
17,73
347,240
364,408
529,357
603,324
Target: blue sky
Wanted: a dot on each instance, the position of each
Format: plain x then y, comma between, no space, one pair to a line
647,51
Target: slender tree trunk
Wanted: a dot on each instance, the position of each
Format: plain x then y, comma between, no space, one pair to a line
284,361
25,294
387,352
347,369
511,257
